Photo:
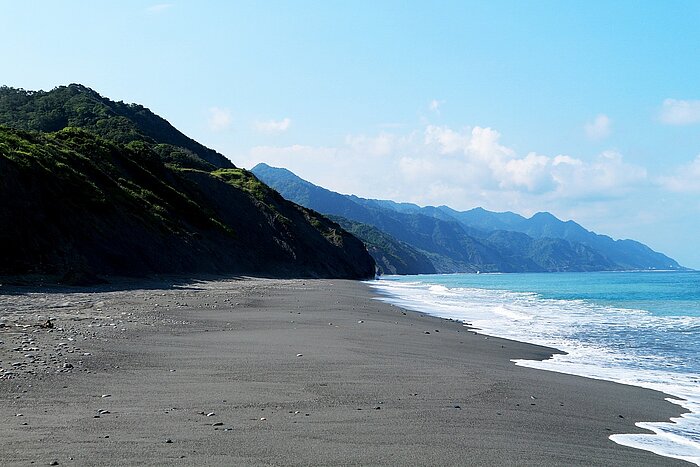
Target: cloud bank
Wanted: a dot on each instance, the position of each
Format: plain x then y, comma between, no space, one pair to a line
273,126
680,112
684,179
462,167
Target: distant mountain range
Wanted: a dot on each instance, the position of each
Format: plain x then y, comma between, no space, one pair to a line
408,239
92,187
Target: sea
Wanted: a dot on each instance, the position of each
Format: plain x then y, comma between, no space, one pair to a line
637,328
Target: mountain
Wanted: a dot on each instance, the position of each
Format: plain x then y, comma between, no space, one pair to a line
626,254
480,218
447,243
457,241
79,106
83,202
392,256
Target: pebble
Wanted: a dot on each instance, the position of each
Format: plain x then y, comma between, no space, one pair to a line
360,322
106,395
262,419
169,441
211,414
300,355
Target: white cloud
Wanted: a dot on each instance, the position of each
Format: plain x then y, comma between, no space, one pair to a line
435,105
484,145
599,128
219,119
381,145
159,8
532,172
462,168
447,141
273,126
680,112
685,179
607,176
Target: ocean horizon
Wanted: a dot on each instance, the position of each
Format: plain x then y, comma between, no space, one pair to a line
635,328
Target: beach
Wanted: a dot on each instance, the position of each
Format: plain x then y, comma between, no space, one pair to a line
287,372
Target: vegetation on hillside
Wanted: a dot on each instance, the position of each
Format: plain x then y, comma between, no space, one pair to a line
78,106
392,256
92,187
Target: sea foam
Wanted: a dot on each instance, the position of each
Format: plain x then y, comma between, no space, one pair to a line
629,346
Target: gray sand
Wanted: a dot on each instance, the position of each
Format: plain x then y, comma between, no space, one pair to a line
293,372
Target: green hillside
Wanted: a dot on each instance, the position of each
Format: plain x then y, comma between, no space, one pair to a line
78,204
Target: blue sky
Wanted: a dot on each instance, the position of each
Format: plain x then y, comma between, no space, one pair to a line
589,110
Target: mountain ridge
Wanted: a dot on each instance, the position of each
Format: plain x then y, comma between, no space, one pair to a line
79,204
79,106
507,242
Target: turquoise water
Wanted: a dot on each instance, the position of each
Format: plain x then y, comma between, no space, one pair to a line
639,328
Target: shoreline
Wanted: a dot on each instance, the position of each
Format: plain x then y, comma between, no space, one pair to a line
380,384
674,438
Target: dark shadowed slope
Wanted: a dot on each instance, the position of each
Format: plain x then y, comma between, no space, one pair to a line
78,204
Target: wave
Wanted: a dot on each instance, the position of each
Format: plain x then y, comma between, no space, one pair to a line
629,346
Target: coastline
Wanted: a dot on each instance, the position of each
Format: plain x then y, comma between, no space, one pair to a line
380,384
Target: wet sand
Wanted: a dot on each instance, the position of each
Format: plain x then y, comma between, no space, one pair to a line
287,372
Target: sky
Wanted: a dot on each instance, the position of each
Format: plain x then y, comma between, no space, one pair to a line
588,110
